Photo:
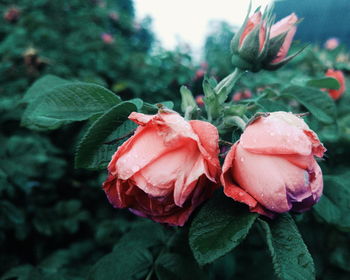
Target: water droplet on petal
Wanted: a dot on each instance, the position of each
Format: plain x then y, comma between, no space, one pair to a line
242,159
135,168
240,194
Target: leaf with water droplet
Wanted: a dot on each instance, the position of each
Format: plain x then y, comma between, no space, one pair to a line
290,256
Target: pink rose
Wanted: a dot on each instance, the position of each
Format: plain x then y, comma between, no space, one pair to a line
339,76
107,38
272,167
286,24
166,169
331,43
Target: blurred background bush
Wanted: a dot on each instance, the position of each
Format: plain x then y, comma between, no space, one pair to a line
55,221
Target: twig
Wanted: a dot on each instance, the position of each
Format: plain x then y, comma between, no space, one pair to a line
224,142
114,141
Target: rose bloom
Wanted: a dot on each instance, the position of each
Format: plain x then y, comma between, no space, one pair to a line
166,169
339,76
331,43
272,167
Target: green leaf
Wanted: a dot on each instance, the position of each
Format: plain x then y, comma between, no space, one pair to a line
172,266
290,256
220,226
319,103
334,205
98,133
131,257
138,103
122,263
24,272
41,86
13,214
326,82
168,104
272,106
67,103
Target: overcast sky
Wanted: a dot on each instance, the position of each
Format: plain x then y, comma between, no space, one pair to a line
187,20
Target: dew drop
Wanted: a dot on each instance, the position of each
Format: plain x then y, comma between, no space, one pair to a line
240,194
242,159
135,168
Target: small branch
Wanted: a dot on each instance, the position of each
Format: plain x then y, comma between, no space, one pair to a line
302,114
237,121
224,142
149,275
115,141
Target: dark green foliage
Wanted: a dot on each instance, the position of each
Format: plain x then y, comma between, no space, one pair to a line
291,259
219,227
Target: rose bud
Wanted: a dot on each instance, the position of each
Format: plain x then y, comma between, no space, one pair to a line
331,44
339,76
166,169
281,37
272,167
107,38
248,43
261,45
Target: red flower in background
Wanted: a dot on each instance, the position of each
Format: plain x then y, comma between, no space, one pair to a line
339,76
199,100
12,14
107,38
244,94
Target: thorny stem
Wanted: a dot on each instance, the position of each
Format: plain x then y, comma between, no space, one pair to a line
229,81
239,122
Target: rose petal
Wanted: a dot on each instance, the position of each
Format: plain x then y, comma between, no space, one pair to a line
269,179
231,189
277,135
